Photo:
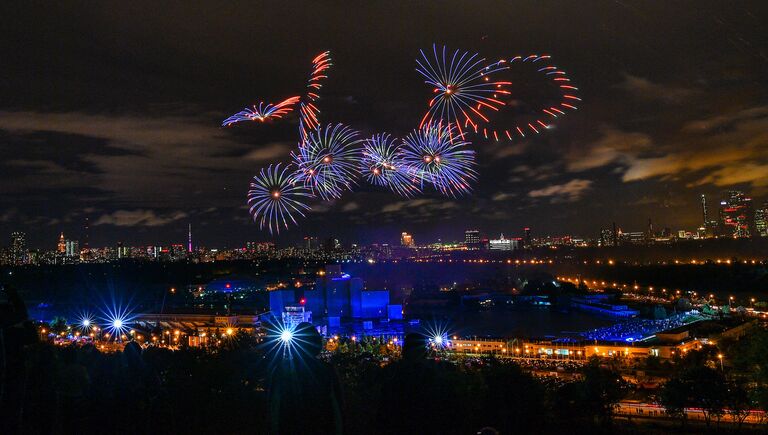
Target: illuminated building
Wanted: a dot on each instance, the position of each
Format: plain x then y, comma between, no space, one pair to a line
607,237
61,248
336,296
407,240
72,248
736,215
633,237
19,254
294,314
761,220
259,247
503,244
472,239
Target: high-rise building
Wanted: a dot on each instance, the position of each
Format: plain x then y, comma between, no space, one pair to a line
607,237
311,243
19,254
472,239
407,240
61,248
527,239
709,225
189,239
72,248
761,220
737,217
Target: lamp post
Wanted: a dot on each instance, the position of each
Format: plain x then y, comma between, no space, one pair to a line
720,357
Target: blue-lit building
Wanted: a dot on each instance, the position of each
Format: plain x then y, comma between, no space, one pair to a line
336,296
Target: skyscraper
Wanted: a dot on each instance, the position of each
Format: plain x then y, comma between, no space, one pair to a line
61,248
72,248
18,248
737,217
761,220
311,243
189,239
527,239
407,240
708,224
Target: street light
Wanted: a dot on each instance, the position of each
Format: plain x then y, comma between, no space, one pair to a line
720,357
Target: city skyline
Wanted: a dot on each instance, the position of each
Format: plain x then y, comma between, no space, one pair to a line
734,215
130,138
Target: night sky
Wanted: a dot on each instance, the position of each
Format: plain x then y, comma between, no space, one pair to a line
111,110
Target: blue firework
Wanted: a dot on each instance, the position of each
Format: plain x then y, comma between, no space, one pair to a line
382,165
328,160
275,198
435,156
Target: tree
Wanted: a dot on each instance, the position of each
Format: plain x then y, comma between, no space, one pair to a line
674,398
58,325
696,387
738,402
598,393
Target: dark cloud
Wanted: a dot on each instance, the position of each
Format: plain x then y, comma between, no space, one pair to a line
134,218
566,192
111,111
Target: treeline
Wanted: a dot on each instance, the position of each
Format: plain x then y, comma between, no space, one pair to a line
225,390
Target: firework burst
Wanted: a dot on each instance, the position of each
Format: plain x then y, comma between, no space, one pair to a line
435,156
328,160
262,112
275,197
382,165
461,82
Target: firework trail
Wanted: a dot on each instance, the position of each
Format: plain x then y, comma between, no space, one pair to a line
308,111
275,198
382,165
328,160
435,156
461,83
544,116
262,112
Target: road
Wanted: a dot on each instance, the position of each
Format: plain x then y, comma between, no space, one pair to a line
647,410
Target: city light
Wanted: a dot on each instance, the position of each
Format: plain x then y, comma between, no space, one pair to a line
286,336
117,318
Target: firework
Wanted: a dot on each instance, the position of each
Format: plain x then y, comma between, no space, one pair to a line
435,156
461,83
308,111
382,165
544,116
275,198
262,112
328,160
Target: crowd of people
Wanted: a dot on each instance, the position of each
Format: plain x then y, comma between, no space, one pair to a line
635,329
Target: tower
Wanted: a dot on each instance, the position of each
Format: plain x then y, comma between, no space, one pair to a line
704,210
61,248
189,239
